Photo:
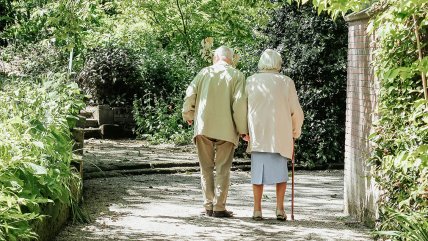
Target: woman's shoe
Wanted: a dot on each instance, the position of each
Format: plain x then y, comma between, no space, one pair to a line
257,215
280,215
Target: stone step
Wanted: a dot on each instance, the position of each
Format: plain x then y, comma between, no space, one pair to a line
92,133
91,123
117,173
164,166
87,113
79,137
150,168
153,165
134,166
170,170
81,122
112,131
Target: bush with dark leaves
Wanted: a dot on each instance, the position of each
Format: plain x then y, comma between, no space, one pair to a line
314,50
111,75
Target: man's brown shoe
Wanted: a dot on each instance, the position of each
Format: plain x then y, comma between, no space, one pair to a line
209,212
222,214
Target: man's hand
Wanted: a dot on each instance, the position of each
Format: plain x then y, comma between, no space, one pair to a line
245,137
190,122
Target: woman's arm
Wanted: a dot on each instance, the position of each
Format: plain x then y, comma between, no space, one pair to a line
297,115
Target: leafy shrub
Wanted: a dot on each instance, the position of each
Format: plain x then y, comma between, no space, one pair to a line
166,73
33,59
116,75
157,109
414,226
161,120
314,50
400,139
36,150
110,75
6,13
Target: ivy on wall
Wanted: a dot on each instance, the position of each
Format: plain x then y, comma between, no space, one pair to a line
401,136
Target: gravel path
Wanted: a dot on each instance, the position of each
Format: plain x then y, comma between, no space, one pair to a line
168,207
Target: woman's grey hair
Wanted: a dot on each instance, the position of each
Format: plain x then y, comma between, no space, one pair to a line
270,60
224,52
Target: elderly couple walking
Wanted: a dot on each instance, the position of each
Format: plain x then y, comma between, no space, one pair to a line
263,109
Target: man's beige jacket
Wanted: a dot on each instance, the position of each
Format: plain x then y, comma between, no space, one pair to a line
274,113
216,101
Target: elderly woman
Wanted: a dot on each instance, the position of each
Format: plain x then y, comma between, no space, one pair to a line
275,118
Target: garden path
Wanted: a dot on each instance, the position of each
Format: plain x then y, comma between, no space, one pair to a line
168,207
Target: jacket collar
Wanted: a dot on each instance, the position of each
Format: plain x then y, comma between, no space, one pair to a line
221,62
268,71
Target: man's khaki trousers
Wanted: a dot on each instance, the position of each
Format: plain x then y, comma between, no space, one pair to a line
218,155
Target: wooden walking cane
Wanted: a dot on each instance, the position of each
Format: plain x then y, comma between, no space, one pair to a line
292,184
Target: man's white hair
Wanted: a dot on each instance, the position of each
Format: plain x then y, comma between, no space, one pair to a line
270,60
224,52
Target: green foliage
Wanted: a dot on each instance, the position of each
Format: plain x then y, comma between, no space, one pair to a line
337,7
111,76
182,24
313,48
414,226
161,120
36,150
157,109
401,137
33,59
64,22
5,17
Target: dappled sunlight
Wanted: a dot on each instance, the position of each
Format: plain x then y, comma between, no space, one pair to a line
168,207
105,155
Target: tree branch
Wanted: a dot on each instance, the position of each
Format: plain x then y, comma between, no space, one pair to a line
183,21
418,44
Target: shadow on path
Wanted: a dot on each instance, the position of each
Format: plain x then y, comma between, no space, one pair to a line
168,207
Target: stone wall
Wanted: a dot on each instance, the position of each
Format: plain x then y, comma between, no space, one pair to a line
361,103
57,215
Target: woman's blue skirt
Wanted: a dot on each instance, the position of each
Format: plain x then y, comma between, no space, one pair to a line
268,168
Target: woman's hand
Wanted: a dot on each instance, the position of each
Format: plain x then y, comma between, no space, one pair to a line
245,137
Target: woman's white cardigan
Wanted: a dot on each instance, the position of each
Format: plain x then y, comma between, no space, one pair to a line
275,116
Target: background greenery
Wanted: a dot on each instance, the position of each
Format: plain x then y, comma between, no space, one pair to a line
144,53
147,60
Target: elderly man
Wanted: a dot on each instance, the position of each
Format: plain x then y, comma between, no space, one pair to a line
216,102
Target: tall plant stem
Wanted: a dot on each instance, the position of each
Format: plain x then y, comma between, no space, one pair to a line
418,44
70,62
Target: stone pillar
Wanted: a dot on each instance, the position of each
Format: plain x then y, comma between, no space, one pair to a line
361,103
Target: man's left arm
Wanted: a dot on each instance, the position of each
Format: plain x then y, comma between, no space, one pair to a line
239,105
188,111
